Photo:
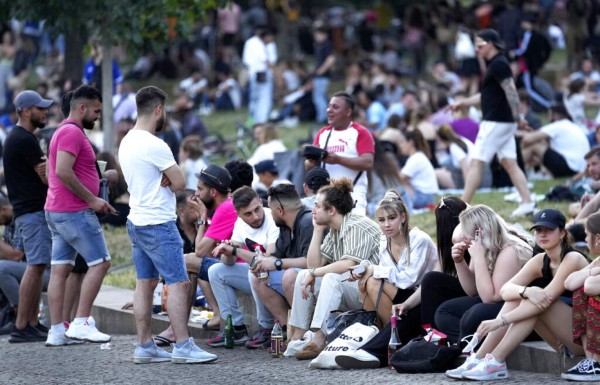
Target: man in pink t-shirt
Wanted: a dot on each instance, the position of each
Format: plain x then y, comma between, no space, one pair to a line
212,196
71,206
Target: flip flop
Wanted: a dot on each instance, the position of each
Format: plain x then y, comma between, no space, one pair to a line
161,341
214,328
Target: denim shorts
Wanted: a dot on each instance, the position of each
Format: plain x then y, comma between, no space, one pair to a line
76,232
207,262
33,230
275,278
157,250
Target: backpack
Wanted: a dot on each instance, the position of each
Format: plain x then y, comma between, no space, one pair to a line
561,194
421,356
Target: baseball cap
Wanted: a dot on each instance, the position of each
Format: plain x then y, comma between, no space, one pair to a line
491,36
266,166
316,178
28,99
216,177
549,218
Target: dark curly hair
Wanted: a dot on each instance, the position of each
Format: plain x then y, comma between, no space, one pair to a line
337,194
241,173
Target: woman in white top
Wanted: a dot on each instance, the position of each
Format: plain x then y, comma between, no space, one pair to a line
454,170
405,256
418,174
190,160
268,143
576,99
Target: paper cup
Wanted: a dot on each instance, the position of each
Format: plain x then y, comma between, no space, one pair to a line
101,165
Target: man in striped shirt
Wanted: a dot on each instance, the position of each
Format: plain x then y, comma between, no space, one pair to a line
352,239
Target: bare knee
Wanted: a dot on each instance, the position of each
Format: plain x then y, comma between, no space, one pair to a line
288,280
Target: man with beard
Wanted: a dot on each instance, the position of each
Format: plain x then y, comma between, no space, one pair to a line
73,185
254,228
25,172
295,232
152,177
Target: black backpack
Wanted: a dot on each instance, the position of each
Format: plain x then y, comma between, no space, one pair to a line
420,356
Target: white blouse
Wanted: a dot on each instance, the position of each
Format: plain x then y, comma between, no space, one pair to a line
423,256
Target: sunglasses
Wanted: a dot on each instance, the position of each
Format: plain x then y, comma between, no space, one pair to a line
212,177
274,193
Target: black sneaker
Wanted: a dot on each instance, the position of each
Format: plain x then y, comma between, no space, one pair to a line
586,370
28,334
7,329
260,340
240,336
41,328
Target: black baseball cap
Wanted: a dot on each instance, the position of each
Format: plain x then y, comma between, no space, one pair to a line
266,166
549,218
316,178
216,177
491,36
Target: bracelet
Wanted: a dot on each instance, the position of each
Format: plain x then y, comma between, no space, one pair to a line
504,321
312,272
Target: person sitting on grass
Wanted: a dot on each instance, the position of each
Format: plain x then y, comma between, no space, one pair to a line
535,299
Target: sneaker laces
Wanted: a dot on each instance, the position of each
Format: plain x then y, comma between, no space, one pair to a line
585,365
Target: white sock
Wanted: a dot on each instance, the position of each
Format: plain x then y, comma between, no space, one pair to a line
58,328
80,321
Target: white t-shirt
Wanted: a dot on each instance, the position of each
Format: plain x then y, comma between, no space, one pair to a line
421,173
193,88
234,92
568,140
457,154
143,159
575,105
266,151
257,56
264,235
190,169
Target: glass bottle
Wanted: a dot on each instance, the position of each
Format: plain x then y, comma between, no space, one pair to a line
263,276
394,343
277,341
229,333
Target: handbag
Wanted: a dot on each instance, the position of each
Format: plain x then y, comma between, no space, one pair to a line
338,320
352,338
422,356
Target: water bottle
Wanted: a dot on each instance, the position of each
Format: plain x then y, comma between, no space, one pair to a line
229,333
157,298
263,276
394,343
277,341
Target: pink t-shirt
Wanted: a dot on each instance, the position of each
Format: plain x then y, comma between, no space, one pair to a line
70,138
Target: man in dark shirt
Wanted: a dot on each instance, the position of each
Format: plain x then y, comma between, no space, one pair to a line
325,59
500,108
295,232
25,171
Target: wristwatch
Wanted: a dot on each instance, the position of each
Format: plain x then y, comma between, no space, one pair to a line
522,292
202,222
278,264
234,250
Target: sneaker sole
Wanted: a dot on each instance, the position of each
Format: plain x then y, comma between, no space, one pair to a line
348,362
580,377
88,340
20,340
187,360
455,376
149,360
74,342
263,345
487,377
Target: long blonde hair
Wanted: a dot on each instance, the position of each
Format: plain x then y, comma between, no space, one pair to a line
392,202
496,234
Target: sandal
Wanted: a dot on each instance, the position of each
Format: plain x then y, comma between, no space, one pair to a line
214,327
161,341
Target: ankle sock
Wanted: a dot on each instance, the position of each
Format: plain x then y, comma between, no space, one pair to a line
79,321
58,328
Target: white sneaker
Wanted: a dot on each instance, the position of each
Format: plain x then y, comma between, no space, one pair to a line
86,332
150,355
486,370
296,346
469,363
358,359
513,197
59,339
523,210
191,354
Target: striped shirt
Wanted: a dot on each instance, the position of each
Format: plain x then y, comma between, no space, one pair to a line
357,239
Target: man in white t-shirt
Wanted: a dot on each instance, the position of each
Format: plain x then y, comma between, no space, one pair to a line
350,148
559,146
254,227
152,177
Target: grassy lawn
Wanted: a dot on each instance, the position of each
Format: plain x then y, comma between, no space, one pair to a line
122,274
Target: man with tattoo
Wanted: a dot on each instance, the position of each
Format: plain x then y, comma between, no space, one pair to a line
500,108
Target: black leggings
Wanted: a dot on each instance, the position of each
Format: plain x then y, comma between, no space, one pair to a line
460,317
437,288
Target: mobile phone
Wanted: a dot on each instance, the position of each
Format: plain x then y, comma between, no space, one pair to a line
358,270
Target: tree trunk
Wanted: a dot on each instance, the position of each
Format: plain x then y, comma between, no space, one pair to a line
108,127
74,41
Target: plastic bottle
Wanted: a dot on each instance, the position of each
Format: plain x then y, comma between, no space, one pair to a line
394,343
263,276
42,313
277,341
229,333
156,298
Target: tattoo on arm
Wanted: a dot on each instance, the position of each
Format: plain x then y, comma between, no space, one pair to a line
510,90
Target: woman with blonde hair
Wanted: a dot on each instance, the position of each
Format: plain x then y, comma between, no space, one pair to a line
535,299
585,285
497,253
418,174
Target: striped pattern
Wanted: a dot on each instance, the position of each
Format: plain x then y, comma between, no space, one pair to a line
358,239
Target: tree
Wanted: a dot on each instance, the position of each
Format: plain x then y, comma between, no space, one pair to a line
128,23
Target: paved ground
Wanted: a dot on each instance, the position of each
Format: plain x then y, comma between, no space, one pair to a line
88,364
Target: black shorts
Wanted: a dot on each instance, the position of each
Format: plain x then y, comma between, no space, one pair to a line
556,164
80,266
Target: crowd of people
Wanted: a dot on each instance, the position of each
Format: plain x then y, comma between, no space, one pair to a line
289,227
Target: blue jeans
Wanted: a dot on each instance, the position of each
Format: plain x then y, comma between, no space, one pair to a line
224,281
77,232
11,274
157,250
319,97
261,98
33,230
